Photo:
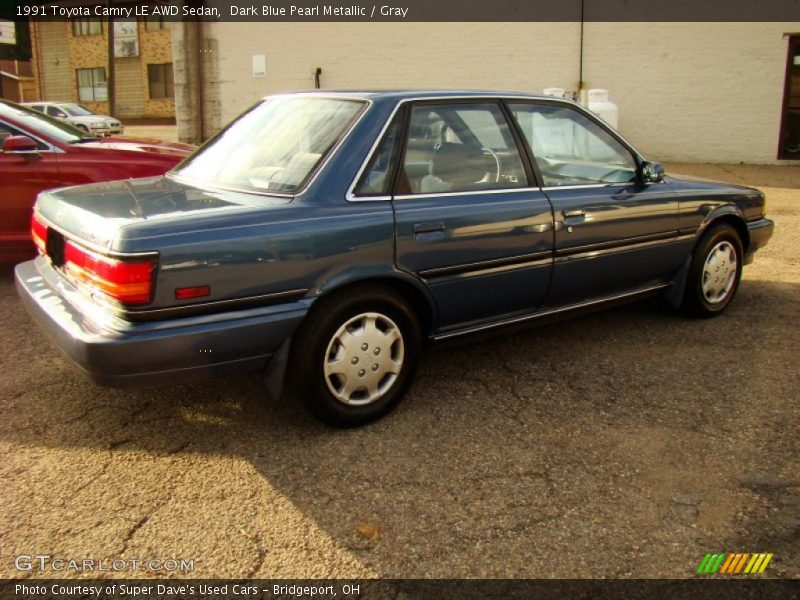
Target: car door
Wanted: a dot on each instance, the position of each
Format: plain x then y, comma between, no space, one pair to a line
469,220
22,177
613,233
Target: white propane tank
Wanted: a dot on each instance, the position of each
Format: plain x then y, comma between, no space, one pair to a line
556,92
600,105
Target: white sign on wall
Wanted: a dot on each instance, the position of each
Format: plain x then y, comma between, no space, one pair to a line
259,65
126,39
8,33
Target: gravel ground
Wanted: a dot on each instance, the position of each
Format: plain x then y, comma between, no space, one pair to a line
624,444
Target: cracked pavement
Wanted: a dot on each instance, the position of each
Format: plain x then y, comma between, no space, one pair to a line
627,443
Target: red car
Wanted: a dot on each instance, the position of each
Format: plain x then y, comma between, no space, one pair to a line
40,152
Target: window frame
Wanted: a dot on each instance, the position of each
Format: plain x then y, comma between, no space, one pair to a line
528,159
76,22
322,164
638,159
397,117
407,105
162,24
94,83
162,67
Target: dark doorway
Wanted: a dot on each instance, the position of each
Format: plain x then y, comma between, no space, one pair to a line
790,119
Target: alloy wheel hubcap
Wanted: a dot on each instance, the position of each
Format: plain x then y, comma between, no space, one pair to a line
719,272
363,359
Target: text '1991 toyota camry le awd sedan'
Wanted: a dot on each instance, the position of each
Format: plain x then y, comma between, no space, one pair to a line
337,233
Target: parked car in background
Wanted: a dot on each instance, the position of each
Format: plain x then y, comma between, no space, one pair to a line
338,233
79,116
40,152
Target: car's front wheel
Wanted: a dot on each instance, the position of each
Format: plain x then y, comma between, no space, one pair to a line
715,272
355,355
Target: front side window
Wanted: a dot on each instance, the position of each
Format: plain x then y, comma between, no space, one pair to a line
460,148
274,146
76,110
570,148
92,85
54,111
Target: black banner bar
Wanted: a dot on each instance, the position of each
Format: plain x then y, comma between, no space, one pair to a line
414,10
741,588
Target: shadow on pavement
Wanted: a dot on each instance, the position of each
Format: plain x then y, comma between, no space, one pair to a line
632,433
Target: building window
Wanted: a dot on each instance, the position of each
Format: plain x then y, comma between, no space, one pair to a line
160,80
92,85
156,23
87,27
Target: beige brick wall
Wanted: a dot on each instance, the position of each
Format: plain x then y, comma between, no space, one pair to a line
686,91
155,48
130,93
52,66
61,53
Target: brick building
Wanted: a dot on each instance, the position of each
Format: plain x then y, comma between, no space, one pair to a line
70,61
691,91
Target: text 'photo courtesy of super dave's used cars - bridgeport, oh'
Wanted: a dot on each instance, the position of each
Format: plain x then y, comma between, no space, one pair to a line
332,236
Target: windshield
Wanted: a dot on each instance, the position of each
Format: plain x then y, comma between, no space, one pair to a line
274,146
76,110
41,123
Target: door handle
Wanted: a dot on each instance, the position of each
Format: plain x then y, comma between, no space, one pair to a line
435,227
573,213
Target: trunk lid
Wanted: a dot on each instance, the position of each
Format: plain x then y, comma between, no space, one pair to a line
101,213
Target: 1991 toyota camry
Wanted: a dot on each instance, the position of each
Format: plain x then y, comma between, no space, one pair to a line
337,233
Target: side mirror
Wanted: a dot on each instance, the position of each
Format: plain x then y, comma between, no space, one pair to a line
19,144
652,172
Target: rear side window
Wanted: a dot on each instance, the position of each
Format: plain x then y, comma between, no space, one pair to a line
459,148
379,174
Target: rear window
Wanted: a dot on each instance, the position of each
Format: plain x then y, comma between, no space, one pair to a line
275,146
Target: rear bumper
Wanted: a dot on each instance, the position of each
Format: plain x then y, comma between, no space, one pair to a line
118,353
759,232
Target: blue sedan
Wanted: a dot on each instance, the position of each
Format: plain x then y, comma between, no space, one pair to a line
335,235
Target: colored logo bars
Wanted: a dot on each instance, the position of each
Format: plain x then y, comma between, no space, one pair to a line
734,564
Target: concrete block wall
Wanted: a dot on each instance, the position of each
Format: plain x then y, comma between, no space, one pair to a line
707,92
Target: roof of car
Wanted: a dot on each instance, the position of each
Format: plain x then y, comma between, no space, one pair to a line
406,94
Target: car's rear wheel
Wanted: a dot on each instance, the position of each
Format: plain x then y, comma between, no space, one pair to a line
715,272
355,355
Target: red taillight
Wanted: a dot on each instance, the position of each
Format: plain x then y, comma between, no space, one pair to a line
39,234
128,282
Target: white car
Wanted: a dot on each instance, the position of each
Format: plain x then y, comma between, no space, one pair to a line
79,116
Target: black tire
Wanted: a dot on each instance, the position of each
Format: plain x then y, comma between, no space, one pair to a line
311,342
695,302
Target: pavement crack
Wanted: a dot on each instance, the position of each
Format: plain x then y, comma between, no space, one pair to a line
132,531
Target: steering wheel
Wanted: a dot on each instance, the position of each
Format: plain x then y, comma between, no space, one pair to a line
496,162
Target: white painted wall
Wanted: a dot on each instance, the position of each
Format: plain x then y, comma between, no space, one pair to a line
686,91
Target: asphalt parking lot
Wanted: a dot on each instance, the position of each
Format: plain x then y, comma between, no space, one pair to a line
628,443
